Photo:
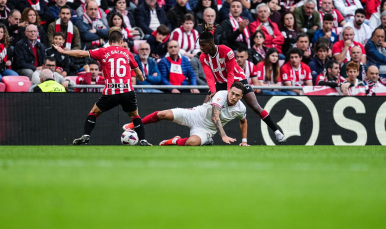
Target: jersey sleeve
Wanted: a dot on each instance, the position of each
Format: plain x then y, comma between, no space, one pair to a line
284,74
363,49
260,72
230,64
243,112
339,16
133,63
219,99
336,48
254,71
308,74
96,54
319,79
208,74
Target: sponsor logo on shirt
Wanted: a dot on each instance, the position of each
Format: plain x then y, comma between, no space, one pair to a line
118,85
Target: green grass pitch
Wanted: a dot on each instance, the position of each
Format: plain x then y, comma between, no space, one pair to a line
192,187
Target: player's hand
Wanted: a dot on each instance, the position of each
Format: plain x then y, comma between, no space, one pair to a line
194,91
175,91
244,144
141,78
58,48
228,140
211,95
347,43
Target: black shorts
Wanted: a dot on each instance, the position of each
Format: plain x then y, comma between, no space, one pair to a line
127,100
223,86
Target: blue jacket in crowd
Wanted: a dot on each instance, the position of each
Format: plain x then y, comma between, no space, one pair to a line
320,33
223,14
164,67
56,10
87,36
153,68
24,56
317,67
374,57
142,17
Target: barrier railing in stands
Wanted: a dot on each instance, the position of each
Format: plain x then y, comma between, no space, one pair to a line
187,87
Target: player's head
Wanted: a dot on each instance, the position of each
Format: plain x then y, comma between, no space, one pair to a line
206,39
94,69
115,36
241,56
235,93
332,68
352,70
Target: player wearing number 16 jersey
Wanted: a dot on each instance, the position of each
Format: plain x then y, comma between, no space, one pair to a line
116,63
221,70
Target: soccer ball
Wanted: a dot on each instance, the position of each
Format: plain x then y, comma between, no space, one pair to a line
129,137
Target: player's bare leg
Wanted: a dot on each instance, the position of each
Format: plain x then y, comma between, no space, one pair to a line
153,118
251,101
139,127
89,126
193,140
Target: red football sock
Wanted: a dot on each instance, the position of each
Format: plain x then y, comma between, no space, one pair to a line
263,114
181,141
151,118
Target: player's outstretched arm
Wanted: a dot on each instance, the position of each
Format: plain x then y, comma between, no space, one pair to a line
75,53
138,74
244,131
217,123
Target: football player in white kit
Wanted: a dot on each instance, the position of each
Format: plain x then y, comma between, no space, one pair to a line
205,120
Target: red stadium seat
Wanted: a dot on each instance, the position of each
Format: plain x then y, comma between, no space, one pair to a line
17,77
16,85
2,87
73,78
136,45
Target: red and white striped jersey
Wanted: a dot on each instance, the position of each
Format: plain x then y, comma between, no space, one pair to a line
261,74
187,41
297,77
116,63
250,71
221,68
323,77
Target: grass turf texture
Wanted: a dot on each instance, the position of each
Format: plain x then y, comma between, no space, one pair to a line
192,187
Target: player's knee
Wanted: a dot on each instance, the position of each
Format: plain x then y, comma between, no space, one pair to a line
164,115
193,142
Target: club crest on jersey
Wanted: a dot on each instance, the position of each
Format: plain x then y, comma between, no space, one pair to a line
285,76
233,113
218,99
221,60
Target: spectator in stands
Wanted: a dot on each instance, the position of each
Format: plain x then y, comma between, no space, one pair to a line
331,76
347,8
327,7
352,72
91,77
149,16
186,37
13,27
39,5
198,70
275,16
29,53
47,83
249,68
201,6
257,52
371,7
64,24
362,32
4,12
55,10
62,61
235,31
307,17
326,31
376,51
303,43
176,14
373,81
341,49
287,6
50,63
92,30
31,17
128,17
99,13
158,42
210,20
224,12
116,19
356,57
318,63
375,19
176,69
5,63
273,36
149,69
290,31
295,72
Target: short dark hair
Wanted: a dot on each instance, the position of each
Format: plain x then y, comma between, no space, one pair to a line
330,64
322,46
360,11
93,62
65,7
188,17
239,85
295,51
115,36
257,32
60,33
206,34
242,49
50,58
302,35
163,30
328,17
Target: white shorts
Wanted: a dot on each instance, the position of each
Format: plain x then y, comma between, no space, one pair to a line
187,117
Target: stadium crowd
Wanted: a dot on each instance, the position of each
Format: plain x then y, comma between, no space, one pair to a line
276,42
